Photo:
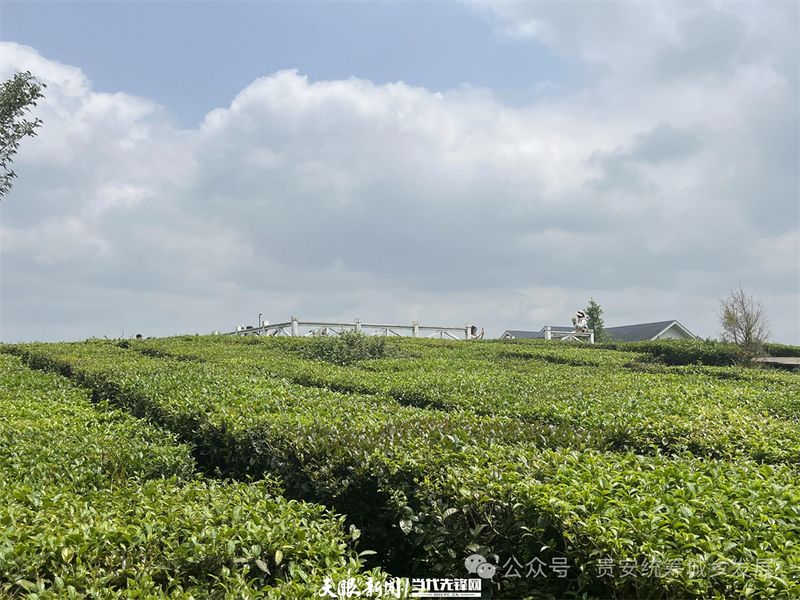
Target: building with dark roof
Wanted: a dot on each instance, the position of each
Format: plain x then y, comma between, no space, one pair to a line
659,330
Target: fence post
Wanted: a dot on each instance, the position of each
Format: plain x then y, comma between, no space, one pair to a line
358,326
295,327
591,336
415,329
548,335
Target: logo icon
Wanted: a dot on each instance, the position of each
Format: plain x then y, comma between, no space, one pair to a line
477,564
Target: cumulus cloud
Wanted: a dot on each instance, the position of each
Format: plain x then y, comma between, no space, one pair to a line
656,189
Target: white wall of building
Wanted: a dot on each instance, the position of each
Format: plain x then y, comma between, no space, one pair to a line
673,332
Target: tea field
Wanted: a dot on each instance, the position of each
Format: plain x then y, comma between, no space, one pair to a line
244,467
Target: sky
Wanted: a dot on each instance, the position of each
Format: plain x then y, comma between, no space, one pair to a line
485,162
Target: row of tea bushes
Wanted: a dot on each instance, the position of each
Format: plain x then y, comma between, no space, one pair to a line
682,527
782,349
703,352
50,432
347,451
607,406
682,352
96,503
434,485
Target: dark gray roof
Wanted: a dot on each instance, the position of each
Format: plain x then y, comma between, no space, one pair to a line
639,332
623,333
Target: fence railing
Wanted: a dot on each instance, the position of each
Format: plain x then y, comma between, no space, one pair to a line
561,334
296,328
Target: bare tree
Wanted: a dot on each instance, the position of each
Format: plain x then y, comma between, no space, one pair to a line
743,320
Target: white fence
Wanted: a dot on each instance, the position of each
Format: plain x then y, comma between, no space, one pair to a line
569,336
295,328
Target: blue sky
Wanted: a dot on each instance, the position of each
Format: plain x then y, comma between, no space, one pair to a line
195,56
482,161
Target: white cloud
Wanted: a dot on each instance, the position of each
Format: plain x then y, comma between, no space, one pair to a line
343,199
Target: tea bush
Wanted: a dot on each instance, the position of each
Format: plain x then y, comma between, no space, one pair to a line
713,412
96,503
781,349
683,352
344,349
436,456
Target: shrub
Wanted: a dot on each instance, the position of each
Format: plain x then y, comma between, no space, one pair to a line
514,459
781,350
96,503
345,348
683,352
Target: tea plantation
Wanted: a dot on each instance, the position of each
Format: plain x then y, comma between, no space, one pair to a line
243,467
